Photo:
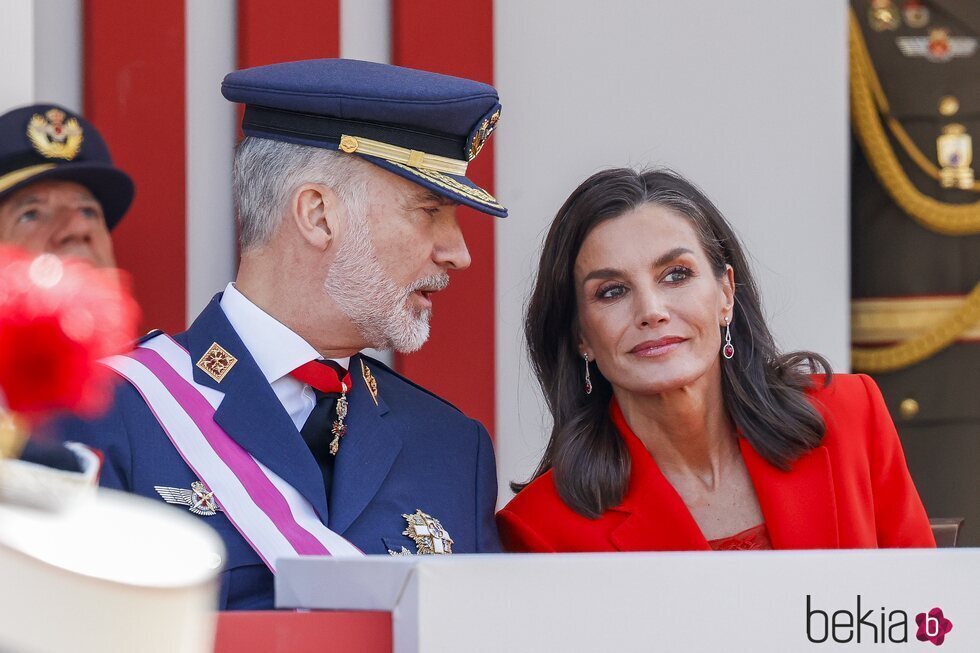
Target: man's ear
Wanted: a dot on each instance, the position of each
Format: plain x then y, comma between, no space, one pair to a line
314,209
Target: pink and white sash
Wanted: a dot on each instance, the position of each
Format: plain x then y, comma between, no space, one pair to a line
270,514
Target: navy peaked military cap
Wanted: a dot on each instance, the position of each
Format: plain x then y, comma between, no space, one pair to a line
419,125
45,141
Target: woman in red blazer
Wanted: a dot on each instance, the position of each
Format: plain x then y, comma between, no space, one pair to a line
677,423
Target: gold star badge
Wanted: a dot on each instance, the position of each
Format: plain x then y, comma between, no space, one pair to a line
216,362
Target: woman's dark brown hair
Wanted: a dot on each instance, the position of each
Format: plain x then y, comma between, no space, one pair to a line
763,389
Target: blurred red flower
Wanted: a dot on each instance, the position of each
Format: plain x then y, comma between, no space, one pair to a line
58,318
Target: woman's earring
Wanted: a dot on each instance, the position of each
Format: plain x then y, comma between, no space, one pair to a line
588,377
728,351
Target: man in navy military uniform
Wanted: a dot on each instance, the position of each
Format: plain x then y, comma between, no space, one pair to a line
347,183
59,191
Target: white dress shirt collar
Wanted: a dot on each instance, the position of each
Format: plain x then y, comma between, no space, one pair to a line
276,349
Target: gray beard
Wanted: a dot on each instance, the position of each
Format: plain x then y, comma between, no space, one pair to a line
373,302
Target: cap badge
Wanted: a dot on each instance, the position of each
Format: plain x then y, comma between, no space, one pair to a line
199,500
482,134
53,136
429,535
370,382
216,362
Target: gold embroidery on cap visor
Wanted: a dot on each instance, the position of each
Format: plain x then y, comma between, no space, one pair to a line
447,183
54,137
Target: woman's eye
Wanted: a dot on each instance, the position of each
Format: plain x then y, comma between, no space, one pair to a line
611,292
676,275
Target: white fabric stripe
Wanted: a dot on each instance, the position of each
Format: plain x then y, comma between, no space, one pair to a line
263,535
303,512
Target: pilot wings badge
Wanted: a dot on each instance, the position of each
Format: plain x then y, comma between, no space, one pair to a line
429,535
199,500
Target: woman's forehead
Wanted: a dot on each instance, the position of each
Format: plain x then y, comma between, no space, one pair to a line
647,232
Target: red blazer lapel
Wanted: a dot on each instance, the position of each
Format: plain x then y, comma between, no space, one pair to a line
799,505
656,518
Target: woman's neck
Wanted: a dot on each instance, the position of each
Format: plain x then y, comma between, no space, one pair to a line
687,431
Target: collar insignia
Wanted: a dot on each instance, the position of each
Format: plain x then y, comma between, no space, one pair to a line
216,362
429,535
199,500
54,137
370,382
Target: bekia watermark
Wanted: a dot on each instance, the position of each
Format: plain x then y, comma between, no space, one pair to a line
874,625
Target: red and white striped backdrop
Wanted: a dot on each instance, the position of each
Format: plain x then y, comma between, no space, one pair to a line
762,127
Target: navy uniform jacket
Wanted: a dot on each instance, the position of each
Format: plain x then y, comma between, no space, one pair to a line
410,451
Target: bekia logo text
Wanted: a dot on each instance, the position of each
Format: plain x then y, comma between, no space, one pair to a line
873,625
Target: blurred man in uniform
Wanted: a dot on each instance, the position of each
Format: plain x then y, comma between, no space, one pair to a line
915,106
263,419
59,192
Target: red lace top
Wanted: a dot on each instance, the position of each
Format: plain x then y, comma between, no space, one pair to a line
751,539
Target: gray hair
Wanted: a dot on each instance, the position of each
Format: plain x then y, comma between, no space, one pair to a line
267,172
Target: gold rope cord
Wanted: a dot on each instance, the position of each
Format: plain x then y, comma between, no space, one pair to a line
944,218
917,349
878,92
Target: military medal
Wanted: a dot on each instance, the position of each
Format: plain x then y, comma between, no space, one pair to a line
916,14
955,152
339,428
199,500
938,47
883,15
428,534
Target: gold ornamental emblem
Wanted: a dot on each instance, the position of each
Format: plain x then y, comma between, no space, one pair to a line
348,144
216,362
429,535
370,382
53,136
483,134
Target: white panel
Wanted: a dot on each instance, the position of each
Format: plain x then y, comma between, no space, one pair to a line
365,30
748,99
16,54
211,125
58,52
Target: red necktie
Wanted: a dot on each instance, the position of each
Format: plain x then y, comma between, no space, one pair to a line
325,376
